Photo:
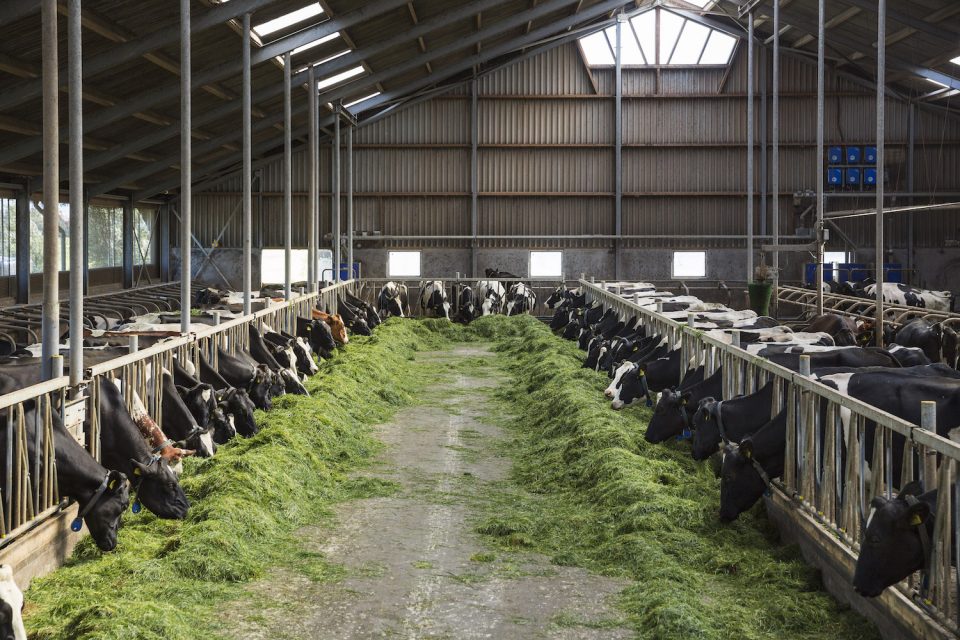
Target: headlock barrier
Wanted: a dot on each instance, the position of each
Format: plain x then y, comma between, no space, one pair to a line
29,489
828,482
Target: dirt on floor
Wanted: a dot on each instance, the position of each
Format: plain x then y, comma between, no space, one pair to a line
411,565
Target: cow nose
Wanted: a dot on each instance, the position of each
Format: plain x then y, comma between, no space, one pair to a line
608,394
616,404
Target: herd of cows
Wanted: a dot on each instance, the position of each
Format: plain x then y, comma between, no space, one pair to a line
918,362
893,293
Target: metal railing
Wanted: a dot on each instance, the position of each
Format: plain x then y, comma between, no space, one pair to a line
863,308
820,478
29,489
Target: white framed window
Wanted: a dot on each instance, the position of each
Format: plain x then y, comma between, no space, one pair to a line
689,264
830,257
272,268
546,264
403,264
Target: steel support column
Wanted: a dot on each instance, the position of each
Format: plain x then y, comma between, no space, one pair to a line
775,125
77,235
312,153
287,180
881,131
764,160
618,146
186,163
50,322
821,59
247,168
474,176
350,202
911,147
23,243
751,124
127,228
335,194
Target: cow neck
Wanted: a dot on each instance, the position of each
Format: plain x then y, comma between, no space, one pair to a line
924,543
716,411
77,523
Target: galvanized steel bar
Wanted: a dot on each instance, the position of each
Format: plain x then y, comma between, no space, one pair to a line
247,169
751,129
77,241
821,58
618,145
350,275
335,194
312,168
881,131
186,162
775,127
911,148
51,190
474,176
287,179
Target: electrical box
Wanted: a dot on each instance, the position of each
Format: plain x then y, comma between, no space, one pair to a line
835,177
853,177
870,177
835,155
869,155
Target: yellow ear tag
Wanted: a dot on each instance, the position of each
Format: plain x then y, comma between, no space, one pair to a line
136,471
916,521
747,454
113,485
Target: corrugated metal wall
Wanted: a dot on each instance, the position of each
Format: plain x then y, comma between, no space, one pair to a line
546,160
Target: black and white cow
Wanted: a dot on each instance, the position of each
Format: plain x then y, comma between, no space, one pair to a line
562,294
938,342
318,335
207,410
499,275
258,381
520,299
301,350
748,467
354,319
365,309
123,449
489,295
235,401
647,378
11,606
466,309
673,415
179,423
905,295
433,300
717,421
393,300
261,354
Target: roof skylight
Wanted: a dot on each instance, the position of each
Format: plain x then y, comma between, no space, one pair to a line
340,77
315,43
956,60
288,20
363,99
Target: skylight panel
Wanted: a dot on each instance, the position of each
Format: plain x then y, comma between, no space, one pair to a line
956,60
690,44
315,43
340,77
645,26
288,19
700,3
718,50
670,26
596,49
363,99
629,49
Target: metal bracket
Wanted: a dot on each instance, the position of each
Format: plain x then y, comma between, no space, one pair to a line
338,109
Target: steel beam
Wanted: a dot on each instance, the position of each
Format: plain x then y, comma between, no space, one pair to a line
186,166
914,22
335,194
775,125
247,168
821,60
881,132
751,128
50,323
618,144
350,202
77,236
474,174
312,168
23,243
287,180
911,148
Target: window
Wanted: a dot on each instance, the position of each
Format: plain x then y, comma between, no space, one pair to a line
340,77
955,60
546,264
354,103
288,20
683,42
36,237
145,235
272,267
830,257
8,237
403,264
689,264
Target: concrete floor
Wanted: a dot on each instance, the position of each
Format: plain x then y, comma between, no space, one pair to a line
414,568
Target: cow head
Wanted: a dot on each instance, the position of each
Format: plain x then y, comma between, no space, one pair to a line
200,400
158,489
389,301
318,336
292,383
559,294
11,604
561,317
491,304
740,483
669,417
103,519
633,384
223,425
337,328
237,403
706,432
893,545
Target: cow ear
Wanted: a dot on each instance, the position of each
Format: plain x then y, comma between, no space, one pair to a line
878,502
139,469
116,481
910,489
916,514
685,397
746,449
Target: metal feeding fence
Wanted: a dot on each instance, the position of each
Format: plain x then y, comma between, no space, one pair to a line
29,486
863,308
828,480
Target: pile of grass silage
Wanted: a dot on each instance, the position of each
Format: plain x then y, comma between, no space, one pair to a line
166,579
606,499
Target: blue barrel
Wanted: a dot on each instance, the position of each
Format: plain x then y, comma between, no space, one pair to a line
835,155
869,155
851,272
853,177
853,155
870,177
835,177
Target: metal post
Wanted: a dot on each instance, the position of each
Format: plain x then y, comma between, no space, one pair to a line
474,176
127,243
350,202
821,52
312,170
764,161
618,146
133,344
247,170
805,365
287,179
775,229
335,197
881,130
911,145
735,338
51,191
751,64
186,165
77,241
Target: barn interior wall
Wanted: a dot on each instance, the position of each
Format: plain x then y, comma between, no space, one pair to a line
546,164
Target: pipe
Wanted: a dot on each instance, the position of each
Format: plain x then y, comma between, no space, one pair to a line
247,169
911,145
312,170
50,322
618,145
577,237
287,179
75,53
775,172
350,202
186,165
474,175
881,131
750,142
335,194
821,57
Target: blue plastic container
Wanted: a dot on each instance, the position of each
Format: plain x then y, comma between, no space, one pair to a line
810,273
853,155
870,177
851,272
852,177
893,272
835,177
835,155
869,155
